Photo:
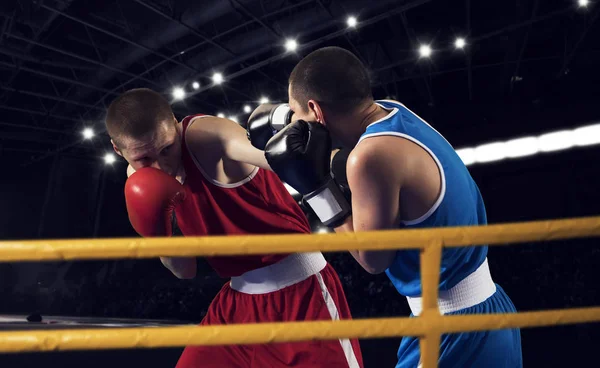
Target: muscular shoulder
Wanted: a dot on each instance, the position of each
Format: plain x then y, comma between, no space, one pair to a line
203,136
382,155
204,128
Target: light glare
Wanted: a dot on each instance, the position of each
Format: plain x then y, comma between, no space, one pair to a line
557,141
490,152
587,135
220,115
109,158
522,147
195,85
527,146
88,133
467,155
291,45
460,43
178,93
425,51
264,100
247,109
217,78
352,21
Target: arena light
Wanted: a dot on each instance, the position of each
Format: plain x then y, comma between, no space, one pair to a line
195,85
264,100
522,147
467,155
528,146
217,78
220,115
110,158
247,109
460,43
490,152
87,133
425,51
178,93
583,3
352,22
233,118
291,45
556,141
587,135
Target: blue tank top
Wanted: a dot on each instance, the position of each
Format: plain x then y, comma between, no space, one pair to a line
459,203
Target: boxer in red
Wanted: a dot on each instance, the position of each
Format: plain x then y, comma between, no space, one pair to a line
204,175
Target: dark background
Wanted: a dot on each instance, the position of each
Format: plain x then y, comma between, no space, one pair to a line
53,185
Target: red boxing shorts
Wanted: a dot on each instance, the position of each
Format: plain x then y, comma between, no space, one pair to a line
301,287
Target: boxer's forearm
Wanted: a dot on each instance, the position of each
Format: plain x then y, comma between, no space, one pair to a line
347,226
182,267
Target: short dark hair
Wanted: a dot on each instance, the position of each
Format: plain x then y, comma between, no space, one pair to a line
136,113
333,77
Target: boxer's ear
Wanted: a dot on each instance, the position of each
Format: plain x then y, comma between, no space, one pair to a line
316,110
117,150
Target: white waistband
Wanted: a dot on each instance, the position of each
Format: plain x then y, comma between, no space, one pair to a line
289,271
472,290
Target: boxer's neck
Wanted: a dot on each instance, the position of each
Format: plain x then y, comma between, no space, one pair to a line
364,117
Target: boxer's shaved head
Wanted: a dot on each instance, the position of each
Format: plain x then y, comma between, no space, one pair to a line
137,113
333,77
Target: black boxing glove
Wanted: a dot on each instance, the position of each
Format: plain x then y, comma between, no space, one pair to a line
265,121
300,155
338,171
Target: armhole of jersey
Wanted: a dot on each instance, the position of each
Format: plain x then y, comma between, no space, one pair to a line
440,198
409,110
204,174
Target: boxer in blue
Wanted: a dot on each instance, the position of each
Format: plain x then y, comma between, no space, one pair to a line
401,173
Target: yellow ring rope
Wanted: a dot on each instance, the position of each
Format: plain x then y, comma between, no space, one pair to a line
428,326
155,337
44,250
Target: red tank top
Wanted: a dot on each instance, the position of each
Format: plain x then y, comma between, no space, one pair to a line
259,204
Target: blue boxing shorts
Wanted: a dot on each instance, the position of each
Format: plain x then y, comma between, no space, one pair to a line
489,349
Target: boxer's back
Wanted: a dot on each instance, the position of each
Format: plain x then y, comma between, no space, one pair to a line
459,202
258,204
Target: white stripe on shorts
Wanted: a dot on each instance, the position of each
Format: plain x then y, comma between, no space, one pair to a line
332,308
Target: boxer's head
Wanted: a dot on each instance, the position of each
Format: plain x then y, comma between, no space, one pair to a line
144,130
331,86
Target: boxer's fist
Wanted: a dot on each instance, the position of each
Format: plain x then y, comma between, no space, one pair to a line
151,197
338,171
265,121
300,155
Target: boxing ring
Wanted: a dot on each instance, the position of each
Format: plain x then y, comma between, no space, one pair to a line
429,326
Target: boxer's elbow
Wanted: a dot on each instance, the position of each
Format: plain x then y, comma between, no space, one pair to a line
376,262
183,268
186,274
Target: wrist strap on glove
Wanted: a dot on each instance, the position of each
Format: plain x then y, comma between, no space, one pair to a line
281,116
329,204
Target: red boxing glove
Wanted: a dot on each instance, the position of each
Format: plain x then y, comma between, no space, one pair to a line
151,196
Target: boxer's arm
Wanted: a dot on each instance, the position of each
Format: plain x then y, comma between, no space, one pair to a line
181,267
375,191
224,138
